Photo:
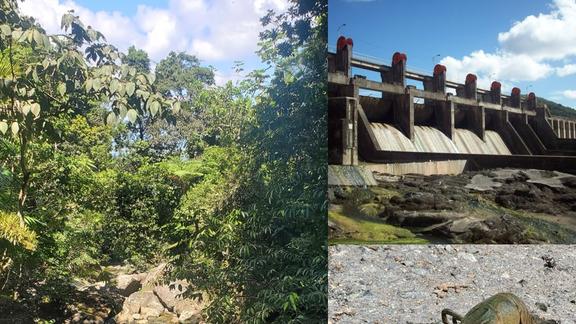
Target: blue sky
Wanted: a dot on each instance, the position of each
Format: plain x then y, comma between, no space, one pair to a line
218,32
529,44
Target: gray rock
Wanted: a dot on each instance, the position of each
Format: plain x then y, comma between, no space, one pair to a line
170,293
153,276
401,295
129,284
140,305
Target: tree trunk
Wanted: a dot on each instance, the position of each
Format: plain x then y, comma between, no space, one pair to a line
22,195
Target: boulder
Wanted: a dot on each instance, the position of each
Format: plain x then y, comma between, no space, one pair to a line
153,276
140,305
188,310
129,284
170,293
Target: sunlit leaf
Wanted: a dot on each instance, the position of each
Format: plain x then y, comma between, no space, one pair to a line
111,119
130,86
62,88
3,127
5,29
132,115
176,107
35,108
15,128
154,108
26,109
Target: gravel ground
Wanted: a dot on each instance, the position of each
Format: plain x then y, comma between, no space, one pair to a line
413,283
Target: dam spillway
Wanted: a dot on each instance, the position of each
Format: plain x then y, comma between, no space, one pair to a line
410,129
430,139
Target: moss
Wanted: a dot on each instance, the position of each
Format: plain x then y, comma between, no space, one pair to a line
365,230
370,209
383,194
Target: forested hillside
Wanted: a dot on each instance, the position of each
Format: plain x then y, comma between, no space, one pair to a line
104,160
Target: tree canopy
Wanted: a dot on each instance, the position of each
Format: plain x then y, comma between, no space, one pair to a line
104,160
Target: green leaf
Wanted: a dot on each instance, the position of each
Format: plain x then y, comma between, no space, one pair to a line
122,110
143,94
38,39
15,128
35,75
16,34
130,87
26,109
132,115
5,29
151,78
67,20
96,84
88,84
114,86
121,89
176,107
154,108
62,88
46,41
3,127
35,108
111,119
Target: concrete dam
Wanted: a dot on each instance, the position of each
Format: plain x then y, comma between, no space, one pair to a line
429,130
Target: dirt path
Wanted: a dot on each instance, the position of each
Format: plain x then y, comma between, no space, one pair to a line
413,283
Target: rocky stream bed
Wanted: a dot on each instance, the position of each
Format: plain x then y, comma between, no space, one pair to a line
494,206
125,296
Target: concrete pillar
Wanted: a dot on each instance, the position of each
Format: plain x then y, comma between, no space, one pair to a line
470,86
531,101
495,95
397,72
344,55
477,120
515,98
342,131
404,113
561,128
444,112
439,79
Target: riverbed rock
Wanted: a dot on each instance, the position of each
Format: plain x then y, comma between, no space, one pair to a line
153,276
169,294
140,305
128,284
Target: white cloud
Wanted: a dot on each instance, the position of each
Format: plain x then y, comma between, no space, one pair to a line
570,94
495,66
546,36
566,70
221,30
527,50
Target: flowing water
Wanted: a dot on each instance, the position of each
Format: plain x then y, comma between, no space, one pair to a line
430,139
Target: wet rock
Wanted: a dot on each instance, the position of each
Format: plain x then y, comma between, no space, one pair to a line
481,182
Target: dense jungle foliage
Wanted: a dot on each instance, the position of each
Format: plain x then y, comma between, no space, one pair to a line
104,160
